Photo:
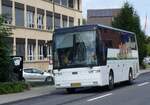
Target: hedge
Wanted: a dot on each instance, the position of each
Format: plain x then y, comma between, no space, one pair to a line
13,87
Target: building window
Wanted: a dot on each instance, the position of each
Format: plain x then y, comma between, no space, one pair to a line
31,52
20,47
49,51
30,19
64,3
40,52
10,42
79,23
7,11
71,3
64,21
78,4
40,21
50,0
57,20
57,1
19,14
71,21
49,21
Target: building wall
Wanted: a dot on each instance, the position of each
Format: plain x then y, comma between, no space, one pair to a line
101,16
100,20
30,33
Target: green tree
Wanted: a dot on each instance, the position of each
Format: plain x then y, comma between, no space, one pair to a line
84,21
148,45
129,20
148,40
5,63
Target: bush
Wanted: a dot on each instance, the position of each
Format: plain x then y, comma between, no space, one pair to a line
13,87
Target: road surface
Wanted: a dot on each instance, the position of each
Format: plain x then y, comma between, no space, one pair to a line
136,94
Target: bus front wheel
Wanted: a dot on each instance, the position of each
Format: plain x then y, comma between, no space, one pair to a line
70,90
111,81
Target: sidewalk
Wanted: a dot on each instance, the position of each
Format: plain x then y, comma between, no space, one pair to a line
34,92
144,71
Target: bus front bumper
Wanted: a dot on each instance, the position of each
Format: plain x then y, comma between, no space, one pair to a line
78,84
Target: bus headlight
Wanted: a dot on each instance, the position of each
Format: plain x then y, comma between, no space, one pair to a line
94,71
97,71
95,83
58,74
91,71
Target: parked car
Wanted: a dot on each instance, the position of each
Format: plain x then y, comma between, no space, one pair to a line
147,60
50,69
36,75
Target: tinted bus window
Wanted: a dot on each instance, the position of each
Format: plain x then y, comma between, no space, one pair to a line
111,38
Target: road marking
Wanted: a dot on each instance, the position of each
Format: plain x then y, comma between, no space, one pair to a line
106,95
142,84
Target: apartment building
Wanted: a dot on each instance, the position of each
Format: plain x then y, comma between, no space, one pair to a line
33,22
101,16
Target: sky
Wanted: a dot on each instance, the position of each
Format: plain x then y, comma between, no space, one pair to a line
141,6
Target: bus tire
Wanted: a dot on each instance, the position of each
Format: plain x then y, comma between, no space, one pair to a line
130,77
70,90
111,80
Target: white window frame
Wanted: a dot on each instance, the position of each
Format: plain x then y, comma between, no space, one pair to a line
49,51
64,23
40,19
40,52
30,19
30,52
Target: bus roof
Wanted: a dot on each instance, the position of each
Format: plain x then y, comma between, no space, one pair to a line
87,28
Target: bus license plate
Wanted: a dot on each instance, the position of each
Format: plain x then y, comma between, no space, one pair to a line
76,85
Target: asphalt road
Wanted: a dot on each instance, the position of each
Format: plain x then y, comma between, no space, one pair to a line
136,94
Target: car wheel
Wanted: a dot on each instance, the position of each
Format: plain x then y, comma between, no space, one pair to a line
49,79
111,81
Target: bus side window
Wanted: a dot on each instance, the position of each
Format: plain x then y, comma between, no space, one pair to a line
101,49
133,43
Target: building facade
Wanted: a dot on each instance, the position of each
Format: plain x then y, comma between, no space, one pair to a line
33,22
101,16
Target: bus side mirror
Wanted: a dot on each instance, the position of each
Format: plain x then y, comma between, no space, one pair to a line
45,51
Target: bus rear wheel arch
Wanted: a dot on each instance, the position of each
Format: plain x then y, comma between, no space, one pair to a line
130,76
111,80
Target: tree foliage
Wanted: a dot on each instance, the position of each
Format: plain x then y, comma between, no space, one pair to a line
148,45
129,20
5,63
84,21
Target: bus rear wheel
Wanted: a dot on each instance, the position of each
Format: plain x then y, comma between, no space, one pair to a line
70,90
111,81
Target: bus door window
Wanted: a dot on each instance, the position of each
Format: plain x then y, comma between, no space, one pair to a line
80,52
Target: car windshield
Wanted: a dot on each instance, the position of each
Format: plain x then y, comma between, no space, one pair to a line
75,49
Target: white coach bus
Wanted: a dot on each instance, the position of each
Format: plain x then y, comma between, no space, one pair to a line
93,55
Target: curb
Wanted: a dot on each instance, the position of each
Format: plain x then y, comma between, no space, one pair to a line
144,71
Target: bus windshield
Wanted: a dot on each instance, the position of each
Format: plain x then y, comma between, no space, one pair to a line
76,49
